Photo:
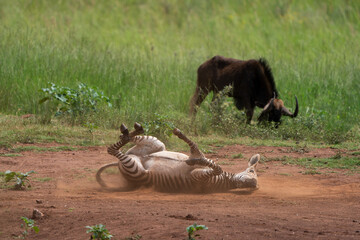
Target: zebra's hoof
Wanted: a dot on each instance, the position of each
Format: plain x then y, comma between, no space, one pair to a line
124,129
138,127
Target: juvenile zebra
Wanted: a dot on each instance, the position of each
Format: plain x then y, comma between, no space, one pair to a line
149,164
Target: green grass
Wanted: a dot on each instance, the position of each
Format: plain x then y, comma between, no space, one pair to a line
237,156
314,164
10,155
144,56
44,149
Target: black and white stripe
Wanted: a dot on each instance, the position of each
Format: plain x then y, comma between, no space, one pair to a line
197,174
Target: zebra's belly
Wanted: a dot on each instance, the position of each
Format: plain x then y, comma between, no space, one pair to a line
166,162
168,171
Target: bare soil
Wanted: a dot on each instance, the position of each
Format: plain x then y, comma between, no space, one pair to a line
289,204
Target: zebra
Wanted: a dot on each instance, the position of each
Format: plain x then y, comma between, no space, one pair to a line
149,164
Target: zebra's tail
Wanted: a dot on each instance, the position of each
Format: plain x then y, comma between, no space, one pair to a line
98,174
106,187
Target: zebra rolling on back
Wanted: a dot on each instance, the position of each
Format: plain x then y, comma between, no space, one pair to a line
149,164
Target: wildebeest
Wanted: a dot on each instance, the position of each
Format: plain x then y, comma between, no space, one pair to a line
252,85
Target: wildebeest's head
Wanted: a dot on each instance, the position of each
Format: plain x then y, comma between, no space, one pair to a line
274,109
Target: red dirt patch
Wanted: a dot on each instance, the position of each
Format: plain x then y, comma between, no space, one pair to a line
288,204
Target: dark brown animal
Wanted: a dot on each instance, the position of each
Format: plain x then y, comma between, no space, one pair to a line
252,85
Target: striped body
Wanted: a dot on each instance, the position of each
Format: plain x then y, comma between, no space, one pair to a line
149,164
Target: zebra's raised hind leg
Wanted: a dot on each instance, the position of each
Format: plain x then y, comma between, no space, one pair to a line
198,158
125,138
131,167
145,145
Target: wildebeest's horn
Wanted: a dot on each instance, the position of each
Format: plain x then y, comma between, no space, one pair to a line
286,112
268,107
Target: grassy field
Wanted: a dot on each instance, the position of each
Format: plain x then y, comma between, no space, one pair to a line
144,55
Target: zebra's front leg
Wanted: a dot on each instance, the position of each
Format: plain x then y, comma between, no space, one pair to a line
194,150
204,174
198,158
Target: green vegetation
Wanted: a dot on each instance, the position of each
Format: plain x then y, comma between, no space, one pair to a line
74,102
192,229
43,149
237,156
10,155
28,225
144,56
98,232
338,161
134,237
44,179
21,179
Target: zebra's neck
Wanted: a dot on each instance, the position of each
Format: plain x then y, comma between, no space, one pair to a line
223,182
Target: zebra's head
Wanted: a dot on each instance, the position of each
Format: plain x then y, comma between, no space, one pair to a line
248,178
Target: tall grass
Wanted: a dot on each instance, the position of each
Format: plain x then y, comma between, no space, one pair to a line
144,54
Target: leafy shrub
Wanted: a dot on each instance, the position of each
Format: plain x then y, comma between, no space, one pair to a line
161,127
76,102
99,232
20,178
192,229
28,225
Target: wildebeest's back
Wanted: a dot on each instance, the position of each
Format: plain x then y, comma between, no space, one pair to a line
209,73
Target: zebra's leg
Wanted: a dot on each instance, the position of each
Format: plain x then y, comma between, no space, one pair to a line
194,150
145,145
130,166
198,158
211,168
125,138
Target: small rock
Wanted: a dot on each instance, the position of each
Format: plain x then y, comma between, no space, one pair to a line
37,214
39,201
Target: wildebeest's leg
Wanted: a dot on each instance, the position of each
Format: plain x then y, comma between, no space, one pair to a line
242,103
198,97
249,113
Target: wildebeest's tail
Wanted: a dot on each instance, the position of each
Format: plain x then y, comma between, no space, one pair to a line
269,74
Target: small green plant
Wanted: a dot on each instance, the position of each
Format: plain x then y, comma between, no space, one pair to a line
76,102
98,232
21,179
134,237
192,229
28,225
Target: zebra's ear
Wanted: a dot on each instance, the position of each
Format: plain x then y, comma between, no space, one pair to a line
254,160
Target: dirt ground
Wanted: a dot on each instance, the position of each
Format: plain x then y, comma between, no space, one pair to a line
288,204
